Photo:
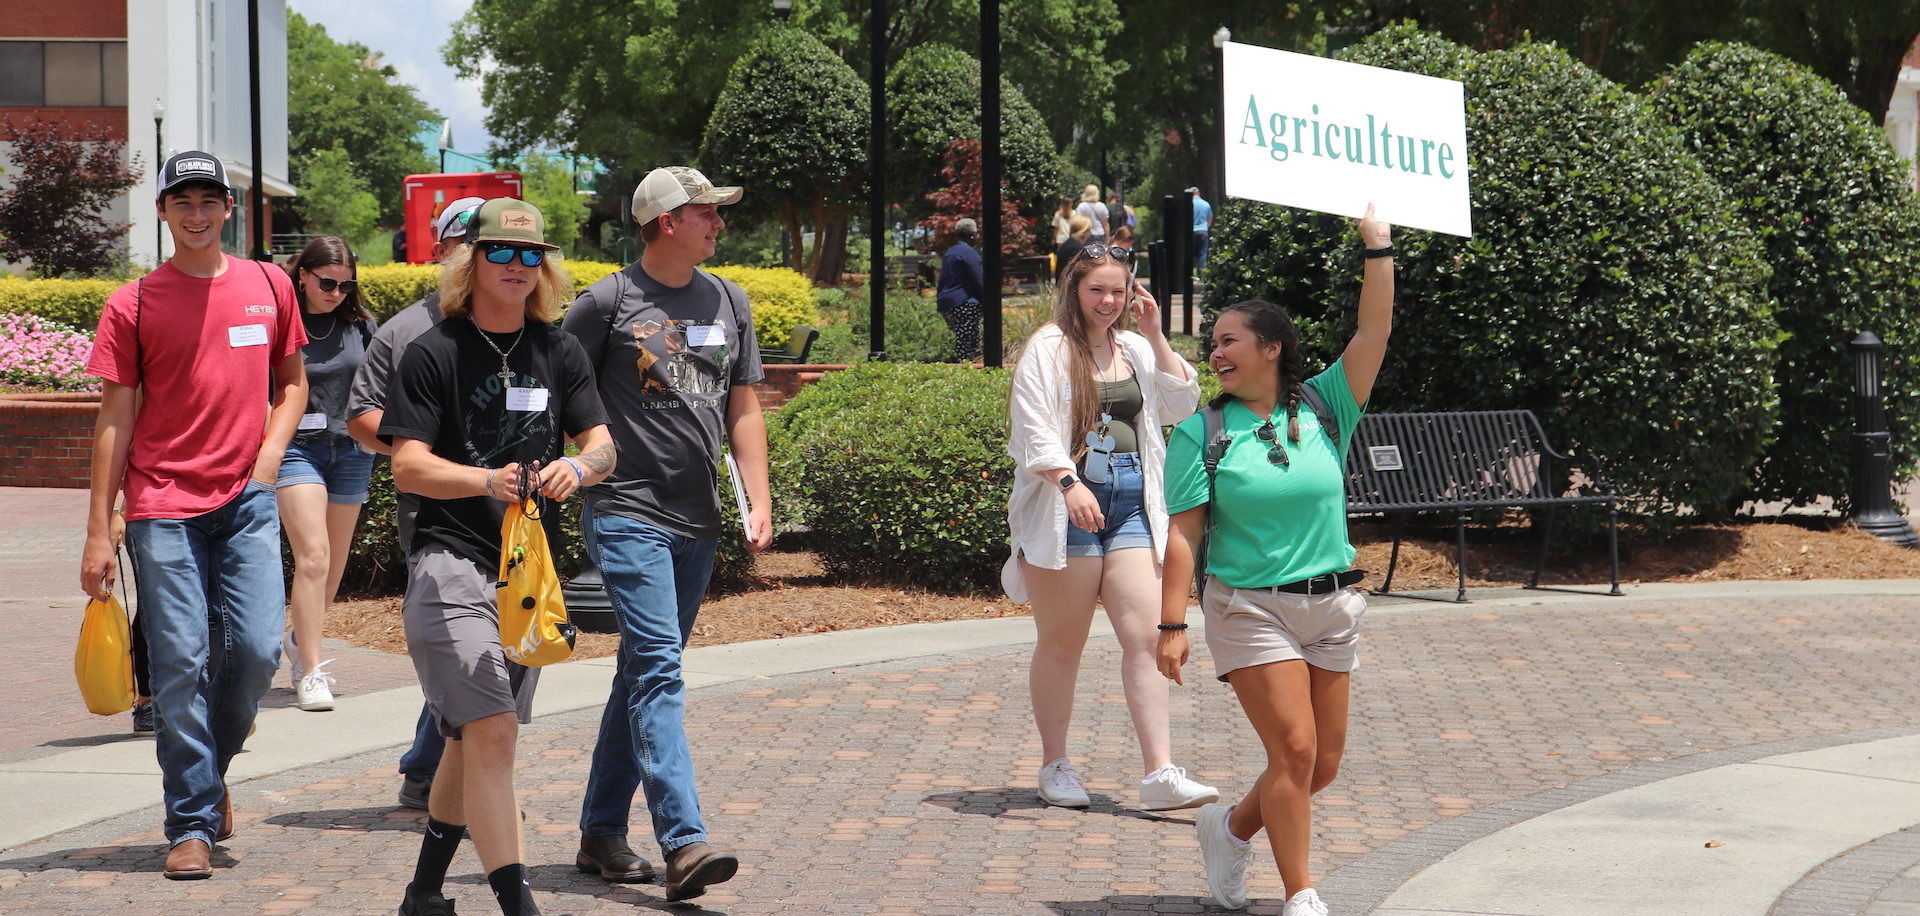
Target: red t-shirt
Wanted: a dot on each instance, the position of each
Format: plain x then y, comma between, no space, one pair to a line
204,354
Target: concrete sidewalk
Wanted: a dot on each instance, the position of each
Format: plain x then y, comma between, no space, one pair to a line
1531,753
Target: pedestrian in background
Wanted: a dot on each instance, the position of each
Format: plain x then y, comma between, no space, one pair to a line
1095,212
962,289
1202,228
324,474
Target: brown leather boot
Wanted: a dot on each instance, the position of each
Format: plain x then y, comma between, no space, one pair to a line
694,866
223,818
611,858
189,860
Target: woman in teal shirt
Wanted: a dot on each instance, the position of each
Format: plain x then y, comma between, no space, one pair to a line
1282,615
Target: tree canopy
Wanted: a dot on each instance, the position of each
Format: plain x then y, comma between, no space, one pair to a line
343,96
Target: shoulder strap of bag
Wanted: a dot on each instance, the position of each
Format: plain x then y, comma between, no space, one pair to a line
139,352
1213,449
613,314
1328,422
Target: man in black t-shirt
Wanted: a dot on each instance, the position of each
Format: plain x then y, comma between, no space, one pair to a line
476,417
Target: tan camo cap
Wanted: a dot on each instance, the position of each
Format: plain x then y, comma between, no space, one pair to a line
509,220
671,186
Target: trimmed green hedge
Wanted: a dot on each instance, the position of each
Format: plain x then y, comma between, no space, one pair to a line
1608,287
1831,203
76,303
901,471
782,300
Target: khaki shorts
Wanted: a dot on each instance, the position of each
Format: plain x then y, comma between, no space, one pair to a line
453,635
1258,626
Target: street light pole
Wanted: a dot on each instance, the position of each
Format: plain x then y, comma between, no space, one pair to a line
159,159
991,170
256,195
877,175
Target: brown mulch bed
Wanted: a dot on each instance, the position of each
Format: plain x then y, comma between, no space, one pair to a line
794,598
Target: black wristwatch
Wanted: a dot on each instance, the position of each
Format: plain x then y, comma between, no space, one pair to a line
1067,482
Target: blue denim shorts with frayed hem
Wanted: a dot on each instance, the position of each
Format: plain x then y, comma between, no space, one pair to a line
335,461
1123,502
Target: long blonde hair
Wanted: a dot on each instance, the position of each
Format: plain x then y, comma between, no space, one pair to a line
1072,323
456,285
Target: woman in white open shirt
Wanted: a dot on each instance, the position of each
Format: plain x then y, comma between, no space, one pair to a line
1087,515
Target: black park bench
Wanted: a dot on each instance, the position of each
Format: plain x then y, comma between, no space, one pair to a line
1402,463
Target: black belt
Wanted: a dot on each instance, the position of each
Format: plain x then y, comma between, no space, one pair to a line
1323,584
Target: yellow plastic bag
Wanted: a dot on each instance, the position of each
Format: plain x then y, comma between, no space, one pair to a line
533,618
103,661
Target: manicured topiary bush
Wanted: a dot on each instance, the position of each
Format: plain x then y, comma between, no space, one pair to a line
933,98
75,303
1838,221
901,471
1608,287
782,300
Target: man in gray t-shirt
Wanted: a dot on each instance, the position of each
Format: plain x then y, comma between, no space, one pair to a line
366,407
677,359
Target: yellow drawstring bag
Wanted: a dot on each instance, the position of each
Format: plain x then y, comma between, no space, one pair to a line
103,661
533,618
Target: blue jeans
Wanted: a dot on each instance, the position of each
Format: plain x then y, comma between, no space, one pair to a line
422,760
655,580
212,603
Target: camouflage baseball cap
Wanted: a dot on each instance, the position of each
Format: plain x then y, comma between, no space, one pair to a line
666,188
510,221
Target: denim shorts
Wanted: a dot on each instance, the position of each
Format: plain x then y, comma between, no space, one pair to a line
1123,502
335,461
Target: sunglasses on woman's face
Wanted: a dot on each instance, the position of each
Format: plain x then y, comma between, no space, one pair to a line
329,284
503,254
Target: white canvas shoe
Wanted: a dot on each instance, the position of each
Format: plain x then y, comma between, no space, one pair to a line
1225,858
1305,903
291,651
314,691
1168,788
1060,785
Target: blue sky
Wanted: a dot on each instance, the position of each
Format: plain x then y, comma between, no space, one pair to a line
425,24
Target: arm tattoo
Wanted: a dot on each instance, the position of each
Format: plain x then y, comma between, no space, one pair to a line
600,460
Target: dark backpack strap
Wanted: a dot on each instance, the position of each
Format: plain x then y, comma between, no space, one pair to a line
139,352
1329,423
613,314
1213,450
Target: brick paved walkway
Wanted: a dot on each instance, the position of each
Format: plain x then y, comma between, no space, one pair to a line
906,787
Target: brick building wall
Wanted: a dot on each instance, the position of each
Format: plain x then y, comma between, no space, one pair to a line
46,440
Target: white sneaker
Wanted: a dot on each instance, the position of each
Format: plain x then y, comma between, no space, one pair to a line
1060,785
1168,787
314,691
291,651
1224,857
1305,903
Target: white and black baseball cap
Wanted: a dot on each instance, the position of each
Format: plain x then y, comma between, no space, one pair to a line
193,165
454,219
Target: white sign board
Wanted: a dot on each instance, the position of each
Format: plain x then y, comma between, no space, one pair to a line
1328,135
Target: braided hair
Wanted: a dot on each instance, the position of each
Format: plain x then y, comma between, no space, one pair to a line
1271,324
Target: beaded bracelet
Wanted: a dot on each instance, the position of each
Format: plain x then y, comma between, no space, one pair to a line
1173,626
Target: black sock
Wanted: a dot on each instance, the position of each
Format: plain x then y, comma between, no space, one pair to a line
510,889
437,847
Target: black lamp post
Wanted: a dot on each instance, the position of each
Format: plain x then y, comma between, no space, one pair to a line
1870,503
159,159
877,177
1221,36
782,9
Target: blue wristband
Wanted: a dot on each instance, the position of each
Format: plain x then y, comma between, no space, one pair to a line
577,469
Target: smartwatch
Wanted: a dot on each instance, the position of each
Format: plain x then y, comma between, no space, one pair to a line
1067,482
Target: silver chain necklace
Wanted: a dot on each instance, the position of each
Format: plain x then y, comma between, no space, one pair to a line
505,374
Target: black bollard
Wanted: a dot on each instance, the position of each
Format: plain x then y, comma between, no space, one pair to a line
1870,502
588,606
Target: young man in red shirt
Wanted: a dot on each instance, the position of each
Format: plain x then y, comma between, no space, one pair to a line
202,387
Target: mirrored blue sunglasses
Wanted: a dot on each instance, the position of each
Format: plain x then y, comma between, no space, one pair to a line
503,254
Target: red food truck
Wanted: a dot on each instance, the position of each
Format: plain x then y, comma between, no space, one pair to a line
427,195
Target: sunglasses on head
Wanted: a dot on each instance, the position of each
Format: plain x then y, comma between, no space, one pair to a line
1109,251
503,254
328,284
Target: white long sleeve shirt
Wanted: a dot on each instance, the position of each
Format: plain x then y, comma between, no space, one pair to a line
1041,439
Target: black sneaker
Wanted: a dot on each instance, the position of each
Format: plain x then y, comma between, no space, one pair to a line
430,905
144,719
414,791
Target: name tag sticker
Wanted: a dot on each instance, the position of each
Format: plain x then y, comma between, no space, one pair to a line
313,421
526,399
247,335
706,335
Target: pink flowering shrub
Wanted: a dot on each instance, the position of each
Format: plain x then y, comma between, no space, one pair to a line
38,353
